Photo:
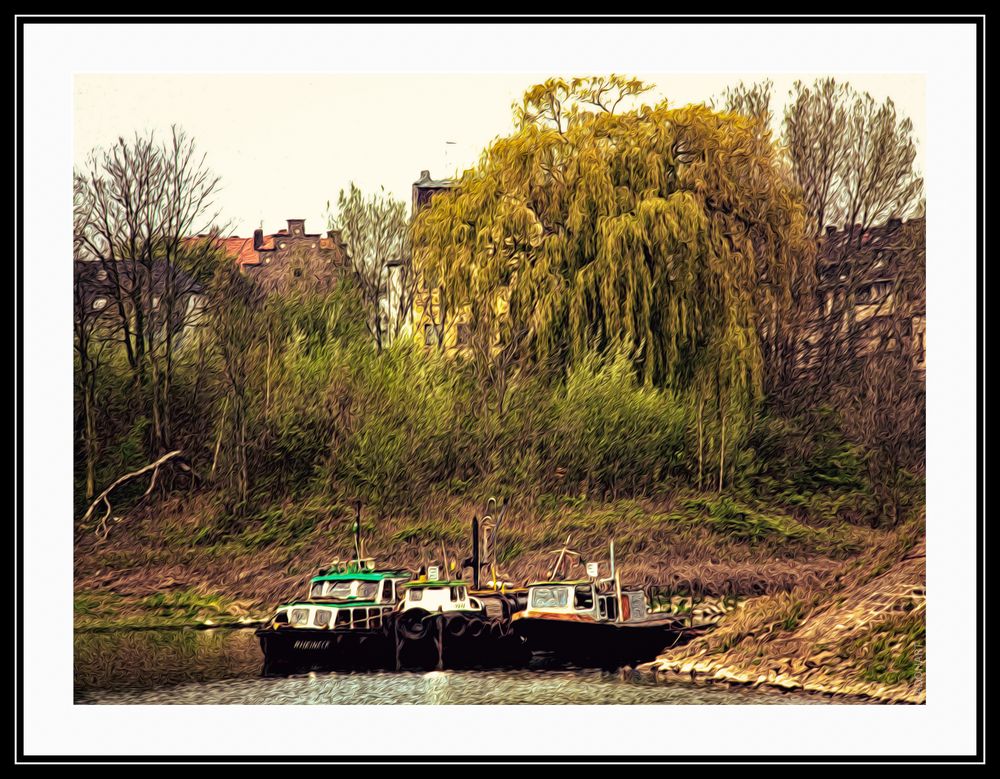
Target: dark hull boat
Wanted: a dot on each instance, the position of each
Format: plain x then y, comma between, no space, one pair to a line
594,621
588,642
345,622
293,649
426,641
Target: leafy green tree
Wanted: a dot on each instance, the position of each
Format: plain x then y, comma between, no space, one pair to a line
670,232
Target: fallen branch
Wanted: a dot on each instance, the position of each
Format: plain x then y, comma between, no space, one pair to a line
103,528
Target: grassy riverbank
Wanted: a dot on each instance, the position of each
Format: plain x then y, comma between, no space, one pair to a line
826,606
861,634
180,565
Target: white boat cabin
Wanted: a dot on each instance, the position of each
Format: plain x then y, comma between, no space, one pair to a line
444,596
346,597
583,598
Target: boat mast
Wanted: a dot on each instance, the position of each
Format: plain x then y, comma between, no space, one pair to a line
618,583
357,532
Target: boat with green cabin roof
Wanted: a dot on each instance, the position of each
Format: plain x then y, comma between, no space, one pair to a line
343,622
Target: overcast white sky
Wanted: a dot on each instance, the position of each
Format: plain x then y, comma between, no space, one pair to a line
284,145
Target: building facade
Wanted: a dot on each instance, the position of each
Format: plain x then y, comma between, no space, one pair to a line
433,325
871,295
292,258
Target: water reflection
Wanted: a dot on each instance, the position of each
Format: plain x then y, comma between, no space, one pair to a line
224,666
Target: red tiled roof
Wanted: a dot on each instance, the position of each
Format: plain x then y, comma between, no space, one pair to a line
240,249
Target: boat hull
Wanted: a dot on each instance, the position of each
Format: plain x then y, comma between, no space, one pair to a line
295,649
425,641
599,644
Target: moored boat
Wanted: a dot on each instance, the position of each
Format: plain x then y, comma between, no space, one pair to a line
343,622
593,621
440,624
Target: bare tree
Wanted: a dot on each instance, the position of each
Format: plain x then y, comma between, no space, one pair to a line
814,131
878,179
235,305
89,347
375,229
852,157
752,100
140,207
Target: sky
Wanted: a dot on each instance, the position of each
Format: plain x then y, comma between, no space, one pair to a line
285,145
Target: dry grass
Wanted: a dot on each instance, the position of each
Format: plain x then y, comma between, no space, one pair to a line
675,544
861,634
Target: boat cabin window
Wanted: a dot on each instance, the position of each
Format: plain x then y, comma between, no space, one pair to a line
457,593
549,597
583,597
350,589
415,594
388,591
322,618
608,606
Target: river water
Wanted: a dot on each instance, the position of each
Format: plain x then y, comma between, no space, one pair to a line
224,666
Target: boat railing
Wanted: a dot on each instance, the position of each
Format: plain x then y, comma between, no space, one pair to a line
362,617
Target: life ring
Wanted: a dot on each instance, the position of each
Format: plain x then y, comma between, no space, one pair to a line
413,624
456,625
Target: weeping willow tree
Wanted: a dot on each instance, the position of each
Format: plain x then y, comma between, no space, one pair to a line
673,233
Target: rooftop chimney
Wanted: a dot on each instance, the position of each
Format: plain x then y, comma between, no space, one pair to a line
258,239
296,226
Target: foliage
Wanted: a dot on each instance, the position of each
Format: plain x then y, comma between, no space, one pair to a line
624,270
375,229
651,229
612,433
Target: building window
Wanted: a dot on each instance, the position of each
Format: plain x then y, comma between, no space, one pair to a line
281,245
430,335
100,303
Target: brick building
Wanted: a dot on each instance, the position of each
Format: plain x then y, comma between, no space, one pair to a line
871,295
291,258
106,294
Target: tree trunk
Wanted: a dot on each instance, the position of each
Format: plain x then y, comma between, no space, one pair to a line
722,444
701,437
90,435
